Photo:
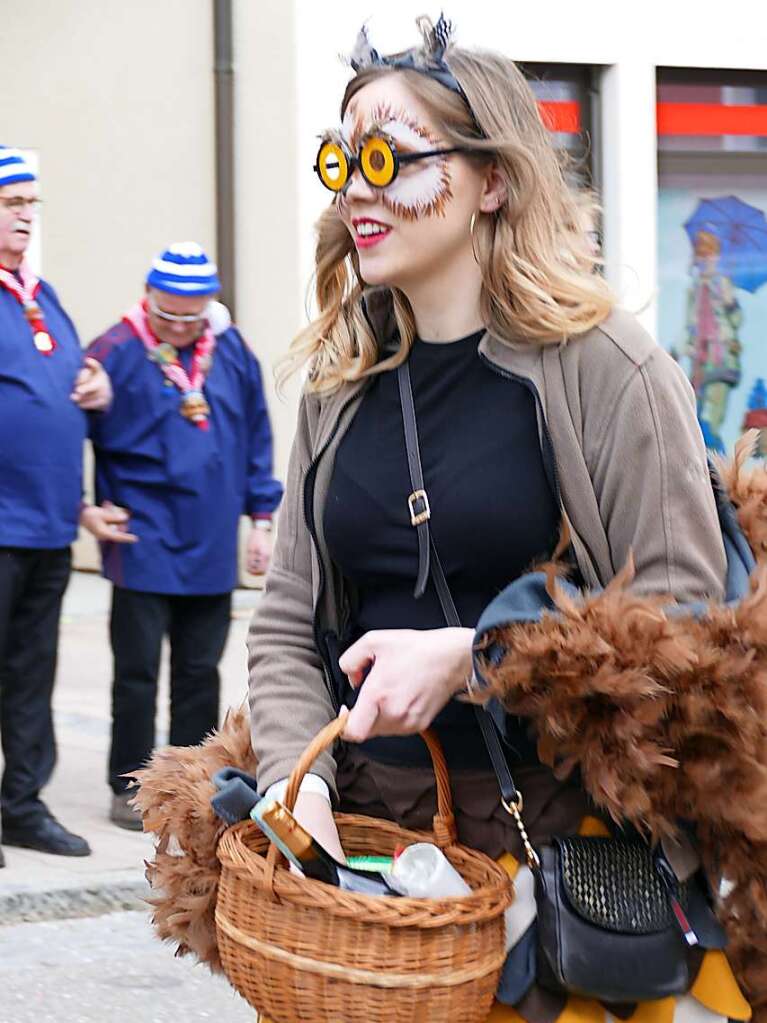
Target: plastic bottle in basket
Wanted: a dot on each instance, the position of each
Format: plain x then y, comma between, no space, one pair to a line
422,871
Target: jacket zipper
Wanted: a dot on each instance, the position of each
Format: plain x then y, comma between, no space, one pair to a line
530,386
310,525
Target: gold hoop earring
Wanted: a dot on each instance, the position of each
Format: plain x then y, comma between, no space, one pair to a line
472,222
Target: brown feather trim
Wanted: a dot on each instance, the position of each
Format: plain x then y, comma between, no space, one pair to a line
747,487
174,799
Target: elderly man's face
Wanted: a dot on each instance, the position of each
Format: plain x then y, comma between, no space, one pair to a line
161,304
17,212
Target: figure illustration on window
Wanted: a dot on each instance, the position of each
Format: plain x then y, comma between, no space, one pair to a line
713,319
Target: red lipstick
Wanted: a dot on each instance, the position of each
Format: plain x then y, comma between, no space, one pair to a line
369,232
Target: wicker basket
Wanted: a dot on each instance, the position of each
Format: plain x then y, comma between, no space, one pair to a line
300,950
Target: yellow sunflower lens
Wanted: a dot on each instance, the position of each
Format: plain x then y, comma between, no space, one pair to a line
333,166
377,162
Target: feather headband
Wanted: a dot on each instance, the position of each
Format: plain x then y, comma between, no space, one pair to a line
428,59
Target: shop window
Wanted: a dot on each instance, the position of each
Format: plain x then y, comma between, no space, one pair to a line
712,243
567,96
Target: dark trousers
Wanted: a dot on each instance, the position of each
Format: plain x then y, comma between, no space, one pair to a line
32,585
197,628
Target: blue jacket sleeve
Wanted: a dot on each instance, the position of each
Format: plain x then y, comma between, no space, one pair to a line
263,492
104,349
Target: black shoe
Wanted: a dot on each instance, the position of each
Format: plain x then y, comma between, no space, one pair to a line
46,835
2,859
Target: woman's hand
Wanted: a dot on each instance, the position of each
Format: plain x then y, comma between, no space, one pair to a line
93,388
409,677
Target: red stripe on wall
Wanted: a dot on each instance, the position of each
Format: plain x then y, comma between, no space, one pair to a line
561,115
711,119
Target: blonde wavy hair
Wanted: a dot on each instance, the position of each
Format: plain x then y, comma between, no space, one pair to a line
539,279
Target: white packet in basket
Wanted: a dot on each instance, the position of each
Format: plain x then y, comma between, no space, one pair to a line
422,871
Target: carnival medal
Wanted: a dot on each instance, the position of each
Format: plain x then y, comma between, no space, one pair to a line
43,341
195,408
164,354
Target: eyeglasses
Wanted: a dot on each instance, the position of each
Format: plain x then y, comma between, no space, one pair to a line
174,317
377,159
16,203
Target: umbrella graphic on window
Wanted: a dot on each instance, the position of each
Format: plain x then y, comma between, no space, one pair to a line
741,230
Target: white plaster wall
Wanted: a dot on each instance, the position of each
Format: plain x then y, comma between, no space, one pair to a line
270,307
116,100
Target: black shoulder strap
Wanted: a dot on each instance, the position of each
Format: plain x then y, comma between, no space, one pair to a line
429,563
417,502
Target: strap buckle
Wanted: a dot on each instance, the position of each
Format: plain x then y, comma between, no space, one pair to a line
418,516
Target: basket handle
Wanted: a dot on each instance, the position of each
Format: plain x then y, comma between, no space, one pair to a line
443,823
322,741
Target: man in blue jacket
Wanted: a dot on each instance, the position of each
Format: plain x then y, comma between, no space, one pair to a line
186,448
44,389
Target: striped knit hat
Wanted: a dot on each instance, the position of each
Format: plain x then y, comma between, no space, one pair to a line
13,167
184,269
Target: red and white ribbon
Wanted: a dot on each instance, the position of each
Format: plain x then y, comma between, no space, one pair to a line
24,288
190,384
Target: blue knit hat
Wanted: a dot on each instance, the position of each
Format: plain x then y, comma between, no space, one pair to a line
184,269
13,167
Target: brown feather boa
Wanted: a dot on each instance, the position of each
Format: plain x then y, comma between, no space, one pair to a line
174,799
666,718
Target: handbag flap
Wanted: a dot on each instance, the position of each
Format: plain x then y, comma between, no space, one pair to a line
614,884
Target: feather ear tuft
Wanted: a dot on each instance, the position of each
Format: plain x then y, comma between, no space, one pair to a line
436,38
363,54
443,36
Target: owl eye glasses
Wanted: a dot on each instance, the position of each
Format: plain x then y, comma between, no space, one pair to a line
377,159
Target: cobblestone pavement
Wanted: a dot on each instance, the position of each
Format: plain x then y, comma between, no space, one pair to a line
106,969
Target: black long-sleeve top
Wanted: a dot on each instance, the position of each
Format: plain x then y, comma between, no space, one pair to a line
493,514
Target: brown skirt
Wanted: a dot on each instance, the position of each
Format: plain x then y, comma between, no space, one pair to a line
407,795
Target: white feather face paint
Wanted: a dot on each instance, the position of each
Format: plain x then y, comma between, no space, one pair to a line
349,129
421,189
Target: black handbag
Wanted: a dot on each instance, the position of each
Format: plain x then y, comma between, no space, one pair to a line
614,923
